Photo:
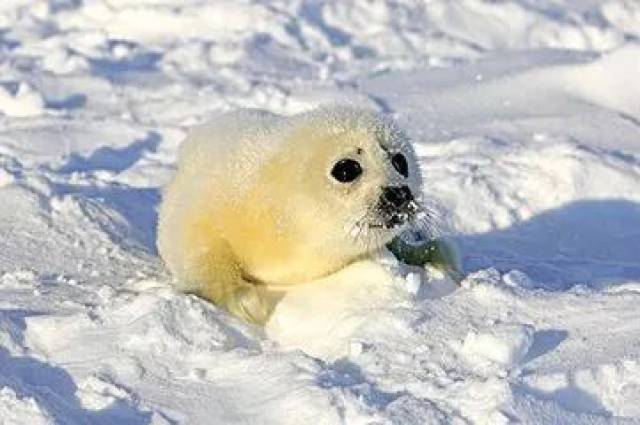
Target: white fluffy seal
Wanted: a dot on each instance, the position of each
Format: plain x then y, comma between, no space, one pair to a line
262,201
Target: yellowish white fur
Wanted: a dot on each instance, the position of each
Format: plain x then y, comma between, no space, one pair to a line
253,207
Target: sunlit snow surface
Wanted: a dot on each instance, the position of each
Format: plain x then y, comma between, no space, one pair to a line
526,119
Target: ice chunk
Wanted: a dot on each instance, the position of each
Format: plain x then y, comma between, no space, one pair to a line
505,344
25,102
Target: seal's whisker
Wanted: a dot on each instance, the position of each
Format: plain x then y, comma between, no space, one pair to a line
428,220
360,226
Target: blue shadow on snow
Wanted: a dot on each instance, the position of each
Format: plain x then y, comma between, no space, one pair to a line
594,243
52,387
136,205
112,159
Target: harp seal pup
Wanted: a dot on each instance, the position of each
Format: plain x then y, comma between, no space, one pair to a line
260,202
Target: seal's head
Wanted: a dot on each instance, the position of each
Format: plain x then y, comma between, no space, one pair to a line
358,178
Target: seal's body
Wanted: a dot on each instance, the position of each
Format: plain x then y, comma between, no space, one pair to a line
262,201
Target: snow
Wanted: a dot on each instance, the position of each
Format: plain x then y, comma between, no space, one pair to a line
506,344
24,103
323,317
15,410
526,121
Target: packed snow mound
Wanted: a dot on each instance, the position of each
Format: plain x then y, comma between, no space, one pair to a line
25,102
323,317
500,343
526,122
16,410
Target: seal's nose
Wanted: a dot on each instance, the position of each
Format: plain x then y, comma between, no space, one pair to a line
397,196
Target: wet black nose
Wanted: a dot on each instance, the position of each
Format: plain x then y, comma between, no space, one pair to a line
397,196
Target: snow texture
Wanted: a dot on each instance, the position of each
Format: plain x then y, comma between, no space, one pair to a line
526,120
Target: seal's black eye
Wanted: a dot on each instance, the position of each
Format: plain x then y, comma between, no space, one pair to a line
346,170
400,164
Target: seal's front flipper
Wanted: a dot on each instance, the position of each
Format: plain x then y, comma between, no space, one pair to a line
444,256
439,253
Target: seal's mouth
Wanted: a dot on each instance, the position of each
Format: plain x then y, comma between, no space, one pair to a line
395,207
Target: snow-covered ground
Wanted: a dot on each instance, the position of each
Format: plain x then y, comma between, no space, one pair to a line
526,118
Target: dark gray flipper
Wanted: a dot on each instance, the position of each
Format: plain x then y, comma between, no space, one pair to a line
417,251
